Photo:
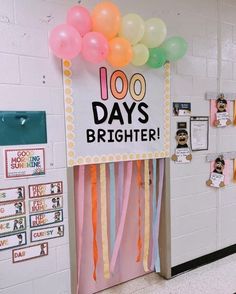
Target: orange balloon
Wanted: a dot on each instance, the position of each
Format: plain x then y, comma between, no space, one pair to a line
106,19
120,53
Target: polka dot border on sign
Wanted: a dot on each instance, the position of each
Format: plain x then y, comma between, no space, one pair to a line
70,135
69,113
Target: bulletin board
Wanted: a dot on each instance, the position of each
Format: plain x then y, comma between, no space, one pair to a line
115,115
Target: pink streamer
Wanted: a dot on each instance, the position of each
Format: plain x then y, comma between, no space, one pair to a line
79,205
123,216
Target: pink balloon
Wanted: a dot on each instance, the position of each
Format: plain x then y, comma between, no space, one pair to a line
95,47
65,42
79,18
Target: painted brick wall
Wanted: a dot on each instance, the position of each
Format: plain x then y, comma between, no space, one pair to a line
31,79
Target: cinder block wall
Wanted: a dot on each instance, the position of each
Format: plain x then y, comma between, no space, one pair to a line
31,79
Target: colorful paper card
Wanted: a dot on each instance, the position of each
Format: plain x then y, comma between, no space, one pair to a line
31,252
45,189
114,115
15,208
47,233
47,218
8,226
45,204
11,194
24,162
12,241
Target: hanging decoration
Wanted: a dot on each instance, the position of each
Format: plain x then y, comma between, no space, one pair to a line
217,176
104,34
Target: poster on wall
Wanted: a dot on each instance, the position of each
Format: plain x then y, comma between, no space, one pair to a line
24,162
45,204
12,225
31,252
12,241
48,233
47,218
199,133
10,194
14,208
45,189
114,115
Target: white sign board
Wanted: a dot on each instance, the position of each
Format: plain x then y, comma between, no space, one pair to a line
45,204
116,115
10,194
12,225
30,252
24,163
12,241
47,233
45,189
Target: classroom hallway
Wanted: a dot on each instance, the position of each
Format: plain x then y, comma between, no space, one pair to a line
215,278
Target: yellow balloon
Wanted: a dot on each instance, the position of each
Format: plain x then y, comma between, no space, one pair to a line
132,28
140,55
155,33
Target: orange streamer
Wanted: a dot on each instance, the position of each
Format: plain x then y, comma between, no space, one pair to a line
139,181
93,174
235,113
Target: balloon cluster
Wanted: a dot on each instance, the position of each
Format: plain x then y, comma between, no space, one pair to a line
105,35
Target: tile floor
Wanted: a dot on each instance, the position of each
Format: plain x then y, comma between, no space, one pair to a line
216,278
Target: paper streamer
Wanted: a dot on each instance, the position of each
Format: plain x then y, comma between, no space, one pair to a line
146,217
105,247
112,206
158,215
93,174
79,208
214,111
128,181
235,170
154,206
139,183
120,184
226,171
234,113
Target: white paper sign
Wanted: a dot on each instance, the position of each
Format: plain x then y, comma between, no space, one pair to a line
30,252
10,194
24,162
45,189
222,117
12,241
48,233
15,208
182,154
46,204
118,115
199,133
216,179
46,218
12,225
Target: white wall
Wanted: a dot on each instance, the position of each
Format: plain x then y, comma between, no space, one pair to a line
30,79
202,218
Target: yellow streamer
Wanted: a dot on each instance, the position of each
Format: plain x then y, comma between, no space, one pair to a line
146,217
105,250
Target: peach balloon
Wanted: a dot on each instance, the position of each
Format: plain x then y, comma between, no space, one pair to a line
106,19
120,53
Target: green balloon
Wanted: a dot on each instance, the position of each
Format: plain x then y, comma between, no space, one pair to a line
175,48
157,57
